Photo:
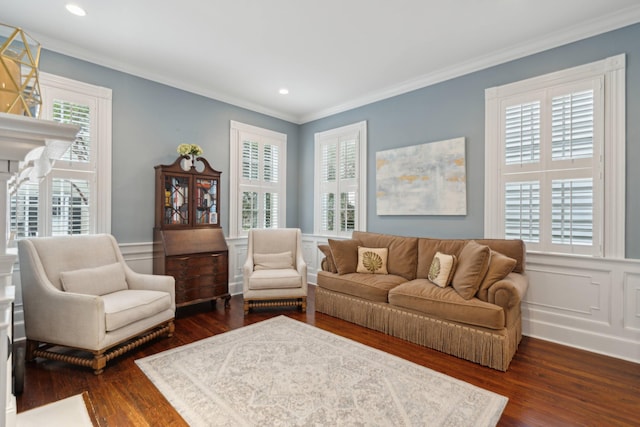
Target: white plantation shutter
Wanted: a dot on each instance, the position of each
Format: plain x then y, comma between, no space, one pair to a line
70,207
522,211
572,211
250,160
258,183
270,158
340,197
572,125
550,156
24,207
68,112
522,133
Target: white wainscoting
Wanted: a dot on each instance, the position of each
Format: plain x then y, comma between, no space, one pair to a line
593,304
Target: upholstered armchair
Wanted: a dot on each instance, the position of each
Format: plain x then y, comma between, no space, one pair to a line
275,273
79,294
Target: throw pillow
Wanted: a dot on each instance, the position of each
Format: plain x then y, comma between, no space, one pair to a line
95,281
345,255
499,266
442,269
372,260
473,263
328,258
273,261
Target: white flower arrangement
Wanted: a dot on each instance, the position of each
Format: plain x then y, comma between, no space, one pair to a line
189,149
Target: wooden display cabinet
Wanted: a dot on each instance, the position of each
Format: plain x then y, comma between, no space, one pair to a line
187,239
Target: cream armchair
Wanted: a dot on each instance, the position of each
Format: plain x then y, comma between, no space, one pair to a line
275,273
79,293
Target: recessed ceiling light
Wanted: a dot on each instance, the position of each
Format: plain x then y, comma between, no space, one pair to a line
284,91
75,9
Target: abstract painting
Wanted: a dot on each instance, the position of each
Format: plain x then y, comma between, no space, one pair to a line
425,179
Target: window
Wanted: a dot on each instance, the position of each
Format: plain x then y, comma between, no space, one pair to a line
551,143
74,198
258,185
340,180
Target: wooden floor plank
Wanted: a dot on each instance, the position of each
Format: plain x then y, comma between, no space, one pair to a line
547,384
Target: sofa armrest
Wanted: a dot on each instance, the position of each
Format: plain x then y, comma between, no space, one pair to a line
151,282
509,291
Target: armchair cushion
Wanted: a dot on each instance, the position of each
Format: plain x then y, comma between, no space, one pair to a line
283,278
272,261
125,307
95,281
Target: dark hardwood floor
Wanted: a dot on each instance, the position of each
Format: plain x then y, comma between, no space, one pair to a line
547,384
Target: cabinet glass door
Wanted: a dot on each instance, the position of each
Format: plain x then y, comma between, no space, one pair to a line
176,200
206,201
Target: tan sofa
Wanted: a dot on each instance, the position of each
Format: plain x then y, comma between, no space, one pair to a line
476,318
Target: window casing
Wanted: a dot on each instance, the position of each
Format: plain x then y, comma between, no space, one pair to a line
551,142
340,180
75,197
258,178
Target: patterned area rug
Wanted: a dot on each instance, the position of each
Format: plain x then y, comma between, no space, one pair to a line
284,372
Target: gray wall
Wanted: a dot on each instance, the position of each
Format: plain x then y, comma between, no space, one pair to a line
456,108
149,121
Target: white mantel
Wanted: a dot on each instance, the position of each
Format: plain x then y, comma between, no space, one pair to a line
19,135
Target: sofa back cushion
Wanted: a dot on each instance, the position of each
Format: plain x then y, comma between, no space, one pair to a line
403,251
513,248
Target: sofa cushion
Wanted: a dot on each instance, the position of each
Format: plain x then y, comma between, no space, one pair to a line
403,251
499,266
345,254
473,264
372,260
328,258
123,308
275,279
442,269
272,261
445,303
372,287
95,281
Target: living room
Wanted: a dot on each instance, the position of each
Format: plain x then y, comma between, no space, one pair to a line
584,303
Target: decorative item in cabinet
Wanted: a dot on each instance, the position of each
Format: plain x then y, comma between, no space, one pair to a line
187,194
188,241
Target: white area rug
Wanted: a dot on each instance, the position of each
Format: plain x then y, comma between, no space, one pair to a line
285,372
69,412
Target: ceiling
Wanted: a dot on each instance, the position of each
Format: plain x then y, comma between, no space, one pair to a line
332,55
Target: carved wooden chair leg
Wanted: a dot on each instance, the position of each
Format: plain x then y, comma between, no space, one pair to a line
99,362
32,346
246,307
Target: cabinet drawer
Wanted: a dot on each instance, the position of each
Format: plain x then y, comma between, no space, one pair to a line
198,281
202,292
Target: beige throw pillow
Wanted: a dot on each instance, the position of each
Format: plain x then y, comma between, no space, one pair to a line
95,281
499,266
345,255
372,260
473,263
273,261
442,269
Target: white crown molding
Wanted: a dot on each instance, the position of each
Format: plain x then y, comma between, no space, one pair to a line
592,28
603,24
